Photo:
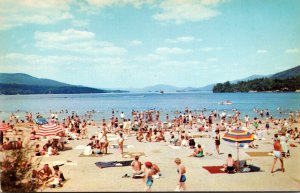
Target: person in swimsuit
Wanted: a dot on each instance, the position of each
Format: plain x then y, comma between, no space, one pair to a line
197,152
121,142
136,167
230,165
217,141
277,153
148,177
182,178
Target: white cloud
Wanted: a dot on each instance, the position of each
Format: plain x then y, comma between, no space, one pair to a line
174,63
210,49
106,3
292,50
71,40
149,58
17,13
180,11
18,61
183,39
135,43
175,50
261,51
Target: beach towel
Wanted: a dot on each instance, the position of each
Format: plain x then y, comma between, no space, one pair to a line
93,155
60,163
81,147
113,164
174,147
259,154
116,146
215,169
293,145
133,154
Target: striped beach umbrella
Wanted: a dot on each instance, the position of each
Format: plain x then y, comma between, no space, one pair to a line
238,136
48,130
3,127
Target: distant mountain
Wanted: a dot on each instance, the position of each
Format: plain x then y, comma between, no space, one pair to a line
21,78
204,88
250,78
19,83
285,81
288,73
159,87
171,89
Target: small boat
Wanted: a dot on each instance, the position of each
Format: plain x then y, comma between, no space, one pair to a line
227,102
161,92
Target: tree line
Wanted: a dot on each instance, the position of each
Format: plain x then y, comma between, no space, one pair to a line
260,85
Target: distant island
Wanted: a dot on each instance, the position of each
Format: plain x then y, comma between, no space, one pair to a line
286,81
19,83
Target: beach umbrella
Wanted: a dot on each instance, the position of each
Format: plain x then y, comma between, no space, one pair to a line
41,121
238,136
3,127
48,130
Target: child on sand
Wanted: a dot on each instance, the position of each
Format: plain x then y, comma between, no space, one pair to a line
148,176
182,178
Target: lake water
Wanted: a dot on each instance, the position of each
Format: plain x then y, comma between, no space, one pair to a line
166,103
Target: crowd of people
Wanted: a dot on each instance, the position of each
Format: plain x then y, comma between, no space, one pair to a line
148,127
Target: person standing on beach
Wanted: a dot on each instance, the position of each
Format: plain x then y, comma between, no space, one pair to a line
247,120
121,143
277,153
148,176
217,141
182,178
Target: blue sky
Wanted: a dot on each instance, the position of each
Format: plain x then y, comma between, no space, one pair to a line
134,43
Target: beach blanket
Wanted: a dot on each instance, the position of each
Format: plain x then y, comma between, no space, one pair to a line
293,145
116,146
215,169
112,138
81,147
133,154
259,154
113,164
93,155
60,163
174,147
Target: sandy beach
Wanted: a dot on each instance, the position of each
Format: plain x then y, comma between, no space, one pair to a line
83,175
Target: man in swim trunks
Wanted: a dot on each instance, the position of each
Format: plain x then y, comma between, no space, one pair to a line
277,153
136,167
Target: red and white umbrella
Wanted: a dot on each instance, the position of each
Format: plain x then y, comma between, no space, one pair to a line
3,127
48,130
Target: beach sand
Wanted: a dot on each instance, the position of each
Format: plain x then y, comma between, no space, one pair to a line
84,175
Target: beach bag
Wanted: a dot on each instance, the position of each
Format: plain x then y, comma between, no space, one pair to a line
62,177
254,168
87,150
